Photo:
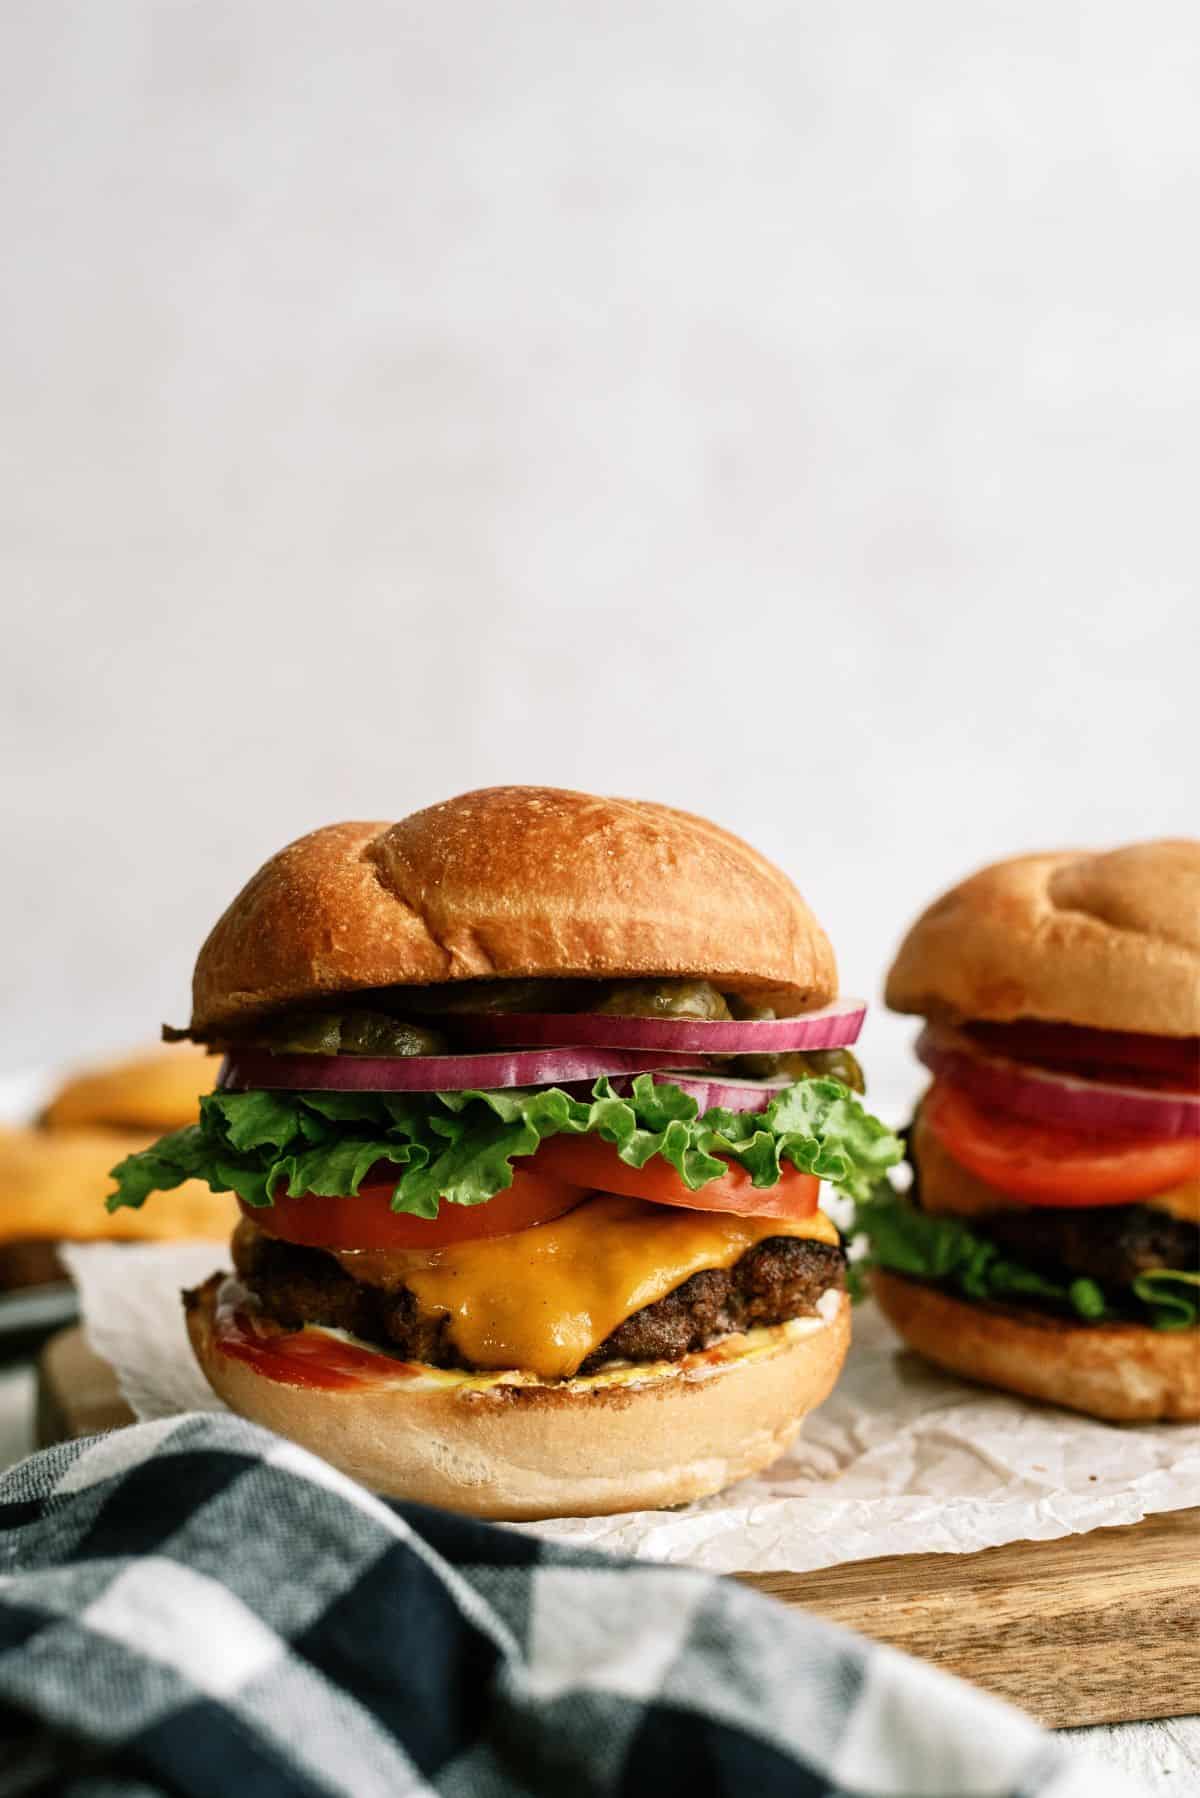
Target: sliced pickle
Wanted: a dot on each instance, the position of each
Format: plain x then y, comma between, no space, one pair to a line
747,1009
662,999
348,1033
817,1064
628,998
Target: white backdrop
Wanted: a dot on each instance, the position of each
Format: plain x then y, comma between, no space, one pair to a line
788,412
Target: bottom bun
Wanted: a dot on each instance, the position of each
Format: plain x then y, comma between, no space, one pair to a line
517,1450
1125,1372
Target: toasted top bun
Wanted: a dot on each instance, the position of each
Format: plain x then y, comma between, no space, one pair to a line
511,882
155,1091
1108,941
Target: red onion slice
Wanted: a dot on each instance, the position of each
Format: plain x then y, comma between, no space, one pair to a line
246,1070
717,1089
1119,1057
1046,1097
834,1027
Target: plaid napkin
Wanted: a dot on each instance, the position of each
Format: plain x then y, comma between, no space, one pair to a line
195,1606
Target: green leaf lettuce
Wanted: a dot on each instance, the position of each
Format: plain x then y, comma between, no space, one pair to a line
459,1148
938,1247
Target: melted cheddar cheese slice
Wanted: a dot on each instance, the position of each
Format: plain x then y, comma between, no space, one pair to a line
542,1299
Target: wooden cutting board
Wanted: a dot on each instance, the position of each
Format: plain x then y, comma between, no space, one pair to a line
1102,1628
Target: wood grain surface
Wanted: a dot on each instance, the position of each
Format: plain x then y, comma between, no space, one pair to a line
1102,1628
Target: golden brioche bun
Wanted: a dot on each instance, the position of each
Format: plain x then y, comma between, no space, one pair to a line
53,1185
520,1452
153,1091
1110,941
511,882
1124,1373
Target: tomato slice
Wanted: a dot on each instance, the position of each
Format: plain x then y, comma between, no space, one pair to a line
564,1172
590,1161
366,1221
1046,1165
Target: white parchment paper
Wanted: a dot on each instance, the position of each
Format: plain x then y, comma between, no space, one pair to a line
900,1460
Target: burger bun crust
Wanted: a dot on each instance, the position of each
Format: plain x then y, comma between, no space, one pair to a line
55,1182
511,883
1108,941
154,1091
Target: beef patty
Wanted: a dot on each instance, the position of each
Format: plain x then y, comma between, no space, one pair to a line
780,1278
1109,1243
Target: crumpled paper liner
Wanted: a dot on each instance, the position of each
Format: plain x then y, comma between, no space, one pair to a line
129,1294
901,1459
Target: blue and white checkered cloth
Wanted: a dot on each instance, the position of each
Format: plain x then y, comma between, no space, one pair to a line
195,1606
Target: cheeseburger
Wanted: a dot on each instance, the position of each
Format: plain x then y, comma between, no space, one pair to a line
1050,1242
526,1101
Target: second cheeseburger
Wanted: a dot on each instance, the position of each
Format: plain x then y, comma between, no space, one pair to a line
526,1104
1051,1239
